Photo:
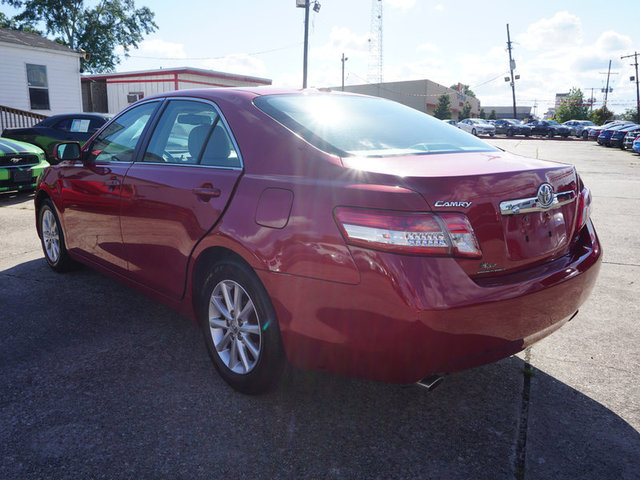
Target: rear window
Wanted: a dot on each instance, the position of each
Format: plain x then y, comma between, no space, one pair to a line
349,125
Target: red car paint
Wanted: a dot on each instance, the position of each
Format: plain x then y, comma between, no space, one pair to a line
342,308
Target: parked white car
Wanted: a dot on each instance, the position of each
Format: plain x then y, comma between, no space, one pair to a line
477,126
578,127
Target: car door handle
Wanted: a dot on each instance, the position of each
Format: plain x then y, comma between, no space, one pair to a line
206,193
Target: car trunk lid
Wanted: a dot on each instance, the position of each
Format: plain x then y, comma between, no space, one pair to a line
499,194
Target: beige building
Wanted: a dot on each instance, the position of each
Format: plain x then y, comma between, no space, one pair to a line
419,94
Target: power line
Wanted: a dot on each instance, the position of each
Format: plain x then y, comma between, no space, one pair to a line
217,58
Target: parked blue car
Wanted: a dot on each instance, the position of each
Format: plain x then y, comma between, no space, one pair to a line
617,137
636,145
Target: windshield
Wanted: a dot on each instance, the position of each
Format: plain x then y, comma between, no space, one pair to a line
350,125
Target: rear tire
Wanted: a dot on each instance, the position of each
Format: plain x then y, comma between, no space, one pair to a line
241,328
473,132
52,239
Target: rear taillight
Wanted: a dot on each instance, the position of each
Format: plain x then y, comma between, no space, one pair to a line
448,234
584,208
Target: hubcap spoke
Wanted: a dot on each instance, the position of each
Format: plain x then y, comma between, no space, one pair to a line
215,301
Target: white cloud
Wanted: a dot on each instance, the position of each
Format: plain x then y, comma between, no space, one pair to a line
439,7
611,41
237,63
561,31
342,40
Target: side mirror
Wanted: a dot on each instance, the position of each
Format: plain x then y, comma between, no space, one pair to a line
66,151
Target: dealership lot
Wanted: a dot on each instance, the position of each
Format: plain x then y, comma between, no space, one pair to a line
101,382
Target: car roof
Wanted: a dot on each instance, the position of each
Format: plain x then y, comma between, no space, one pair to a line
84,115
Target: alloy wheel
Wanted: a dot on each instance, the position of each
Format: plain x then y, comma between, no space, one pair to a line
50,236
234,327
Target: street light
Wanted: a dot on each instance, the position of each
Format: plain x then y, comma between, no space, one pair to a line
316,8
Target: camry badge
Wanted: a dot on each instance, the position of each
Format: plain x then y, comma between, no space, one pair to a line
441,203
545,195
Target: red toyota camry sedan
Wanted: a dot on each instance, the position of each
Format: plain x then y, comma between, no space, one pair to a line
331,231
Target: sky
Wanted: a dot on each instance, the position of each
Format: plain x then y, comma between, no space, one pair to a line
557,45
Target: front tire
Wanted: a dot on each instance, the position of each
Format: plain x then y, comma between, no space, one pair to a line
241,328
52,239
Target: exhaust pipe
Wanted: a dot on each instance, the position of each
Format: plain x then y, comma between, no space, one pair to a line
431,382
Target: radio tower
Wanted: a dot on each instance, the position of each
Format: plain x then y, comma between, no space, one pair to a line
374,73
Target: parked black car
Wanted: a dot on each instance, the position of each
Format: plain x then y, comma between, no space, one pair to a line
618,136
629,138
77,127
511,127
548,128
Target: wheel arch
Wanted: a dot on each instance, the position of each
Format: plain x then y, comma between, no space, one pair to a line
203,263
41,196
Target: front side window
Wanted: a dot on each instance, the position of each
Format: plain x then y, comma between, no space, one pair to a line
350,125
191,133
38,87
118,141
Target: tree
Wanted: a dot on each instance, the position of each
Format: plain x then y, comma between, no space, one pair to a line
482,113
492,115
466,111
463,89
12,24
98,30
601,115
573,107
443,109
630,114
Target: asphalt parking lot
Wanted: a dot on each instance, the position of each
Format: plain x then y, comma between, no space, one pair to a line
98,381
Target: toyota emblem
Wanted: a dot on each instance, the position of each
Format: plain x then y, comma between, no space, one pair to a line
545,195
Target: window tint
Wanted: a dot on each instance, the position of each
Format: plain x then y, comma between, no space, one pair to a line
191,133
366,126
118,141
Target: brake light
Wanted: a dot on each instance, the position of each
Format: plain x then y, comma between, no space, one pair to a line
584,208
447,234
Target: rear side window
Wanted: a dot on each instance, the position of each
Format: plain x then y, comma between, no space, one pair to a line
350,125
118,141
191,133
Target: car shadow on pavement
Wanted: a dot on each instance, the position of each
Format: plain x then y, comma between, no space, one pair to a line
16,197
99,381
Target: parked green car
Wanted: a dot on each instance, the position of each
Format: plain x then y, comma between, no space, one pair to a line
20,165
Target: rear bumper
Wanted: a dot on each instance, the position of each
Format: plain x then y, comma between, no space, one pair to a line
411,317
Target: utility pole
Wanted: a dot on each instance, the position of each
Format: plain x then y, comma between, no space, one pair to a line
344,59
635,55
316,8
512,67
606,92
306,43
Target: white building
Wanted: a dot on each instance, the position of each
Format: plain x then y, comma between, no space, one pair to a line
38,75
111,92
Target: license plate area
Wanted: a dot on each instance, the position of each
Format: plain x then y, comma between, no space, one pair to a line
535,234
22,176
